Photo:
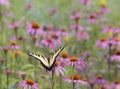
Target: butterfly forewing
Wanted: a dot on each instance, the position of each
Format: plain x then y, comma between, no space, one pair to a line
53,58
47,63
40,58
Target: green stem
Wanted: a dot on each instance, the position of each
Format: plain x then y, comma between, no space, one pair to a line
73,70
52,81
7,81
1,76
73,85
109,62
61,85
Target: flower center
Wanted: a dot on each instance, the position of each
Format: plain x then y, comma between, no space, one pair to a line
64,54
103,39
13,43
117,40
75,77
35,25
34,38
20,38
84,79
2,60
55,36
49,40
56,63
81,33
117,82
5,49
73,59
118,53
92,16
30,82
63,29
99,77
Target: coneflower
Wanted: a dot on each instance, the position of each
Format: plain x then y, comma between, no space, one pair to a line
28,84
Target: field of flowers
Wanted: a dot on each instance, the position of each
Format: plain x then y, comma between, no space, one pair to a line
89,30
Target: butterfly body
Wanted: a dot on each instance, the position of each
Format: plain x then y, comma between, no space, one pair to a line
47,63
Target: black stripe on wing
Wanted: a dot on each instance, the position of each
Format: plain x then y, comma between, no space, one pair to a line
53,58
43,60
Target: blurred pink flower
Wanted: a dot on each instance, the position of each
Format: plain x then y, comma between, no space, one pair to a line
106,29
75,16
85,1
100,80
82,66
29,6
14,25
63,60
105,43
14,45
102,43
59,69
53,11
75,79
77,27
56,38
104,10
116,57
47,42
115,85
93,19
82,35
28,84
22,74
34,28
8,72
63,32
4,2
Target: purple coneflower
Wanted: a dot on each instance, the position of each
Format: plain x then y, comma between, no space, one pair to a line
47,42
102,43
104,10
92,18
63,60
73,61
14,45
59,69
77,27
82,35
63,32
115,85
75,16
14,25
82,66
100,80
28,84
116,56
75,79
106,29
56,38
34,28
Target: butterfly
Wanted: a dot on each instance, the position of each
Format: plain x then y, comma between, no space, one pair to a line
47,63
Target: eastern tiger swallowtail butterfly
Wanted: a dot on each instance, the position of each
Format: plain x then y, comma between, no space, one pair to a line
47,63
